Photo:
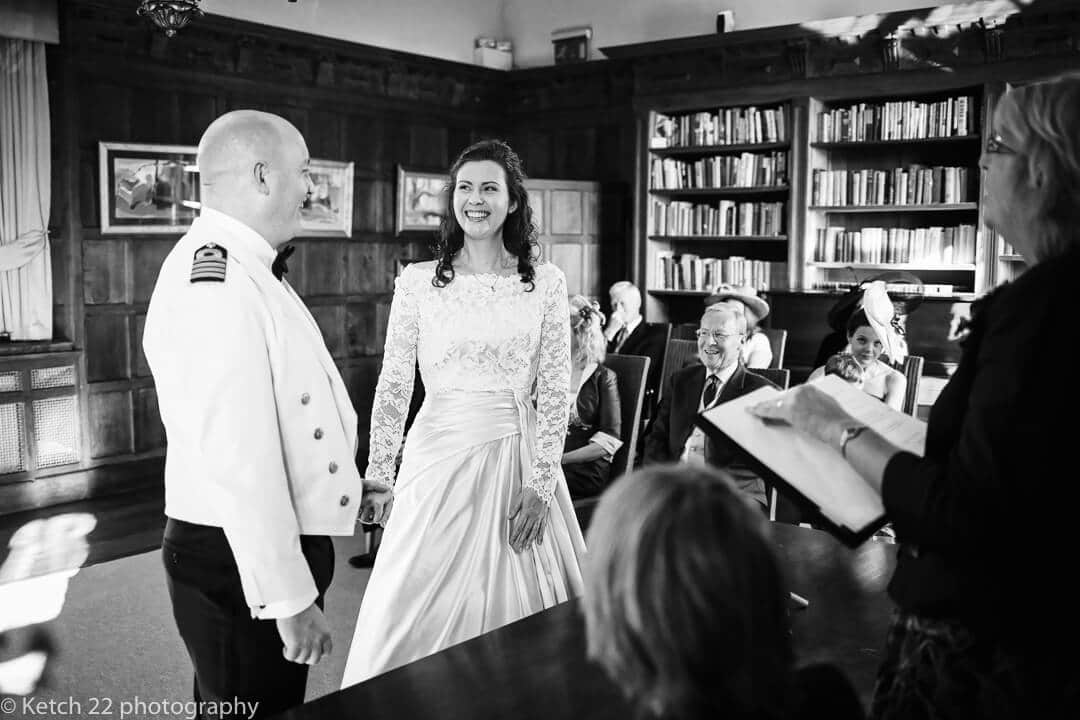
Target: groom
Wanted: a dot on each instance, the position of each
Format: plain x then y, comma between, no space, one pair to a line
260,466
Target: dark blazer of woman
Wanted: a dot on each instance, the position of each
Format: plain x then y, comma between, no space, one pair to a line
597,411
986,518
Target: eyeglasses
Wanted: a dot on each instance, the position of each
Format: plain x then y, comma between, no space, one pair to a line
716,335
994,144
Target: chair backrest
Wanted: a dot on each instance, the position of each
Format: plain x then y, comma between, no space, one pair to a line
678,355
778,343
913,367
631,372
685,331
778,376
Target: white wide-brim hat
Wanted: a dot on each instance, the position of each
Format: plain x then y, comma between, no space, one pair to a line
743,293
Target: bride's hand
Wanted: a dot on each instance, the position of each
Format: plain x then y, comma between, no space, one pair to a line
376,504
528,517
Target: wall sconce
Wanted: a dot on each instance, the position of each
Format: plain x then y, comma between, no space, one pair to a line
169,15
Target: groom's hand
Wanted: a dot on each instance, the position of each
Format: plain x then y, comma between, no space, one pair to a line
376,503
306,636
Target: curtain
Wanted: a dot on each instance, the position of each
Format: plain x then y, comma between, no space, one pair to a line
25,263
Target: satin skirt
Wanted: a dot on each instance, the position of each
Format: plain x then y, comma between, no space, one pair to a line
445,571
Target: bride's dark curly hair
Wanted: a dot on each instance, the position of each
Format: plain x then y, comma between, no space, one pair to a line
519,233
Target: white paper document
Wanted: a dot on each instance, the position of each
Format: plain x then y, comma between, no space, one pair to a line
811,467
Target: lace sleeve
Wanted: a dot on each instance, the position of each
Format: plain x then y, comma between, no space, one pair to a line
552,384
394,389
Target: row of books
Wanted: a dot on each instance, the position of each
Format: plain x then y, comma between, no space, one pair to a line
913,185
724,218
929,246
726,126
899,120
691,272
722,171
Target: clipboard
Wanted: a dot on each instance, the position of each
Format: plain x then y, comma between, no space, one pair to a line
815,475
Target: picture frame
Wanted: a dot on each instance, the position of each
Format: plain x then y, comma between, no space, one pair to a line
329,210
147,189
422,199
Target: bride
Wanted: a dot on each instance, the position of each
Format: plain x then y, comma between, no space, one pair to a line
482,532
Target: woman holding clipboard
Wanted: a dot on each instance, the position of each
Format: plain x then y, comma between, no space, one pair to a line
983,518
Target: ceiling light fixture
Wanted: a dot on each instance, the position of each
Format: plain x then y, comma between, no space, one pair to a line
170,15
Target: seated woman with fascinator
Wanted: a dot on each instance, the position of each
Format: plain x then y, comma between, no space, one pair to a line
874,342
594,428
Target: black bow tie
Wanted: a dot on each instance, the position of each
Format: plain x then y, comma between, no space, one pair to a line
279,268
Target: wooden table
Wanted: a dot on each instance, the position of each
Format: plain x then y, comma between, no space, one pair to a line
536,667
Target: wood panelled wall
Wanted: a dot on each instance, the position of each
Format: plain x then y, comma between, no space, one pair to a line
576,122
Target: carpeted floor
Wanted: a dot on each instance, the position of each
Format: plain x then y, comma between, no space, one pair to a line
116,640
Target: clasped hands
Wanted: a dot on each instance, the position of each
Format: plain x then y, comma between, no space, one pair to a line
376,503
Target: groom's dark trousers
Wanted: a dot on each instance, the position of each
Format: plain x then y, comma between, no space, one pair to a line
235,656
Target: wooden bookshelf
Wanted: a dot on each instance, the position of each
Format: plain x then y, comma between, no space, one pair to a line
700,231
895,178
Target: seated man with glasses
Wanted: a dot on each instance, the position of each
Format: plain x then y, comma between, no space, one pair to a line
720,377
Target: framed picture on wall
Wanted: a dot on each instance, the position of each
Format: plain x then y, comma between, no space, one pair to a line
329,210
147,189
421,200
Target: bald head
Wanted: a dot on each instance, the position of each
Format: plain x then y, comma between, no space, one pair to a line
253,167
238,140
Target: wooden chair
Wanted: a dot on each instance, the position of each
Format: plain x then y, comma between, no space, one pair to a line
778,343
684,331
678,355
913,367
631,372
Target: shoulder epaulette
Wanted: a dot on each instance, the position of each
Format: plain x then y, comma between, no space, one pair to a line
208,265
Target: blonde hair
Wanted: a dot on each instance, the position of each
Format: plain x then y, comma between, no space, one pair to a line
684,605
587,341
1045,118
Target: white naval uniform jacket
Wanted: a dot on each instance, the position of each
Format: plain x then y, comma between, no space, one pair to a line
261,432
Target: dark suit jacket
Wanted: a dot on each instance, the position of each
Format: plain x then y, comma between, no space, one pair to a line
650,341
666,439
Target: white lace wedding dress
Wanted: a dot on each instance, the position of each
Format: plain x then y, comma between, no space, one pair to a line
445,571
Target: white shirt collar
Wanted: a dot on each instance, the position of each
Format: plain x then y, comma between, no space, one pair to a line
240,236
630,327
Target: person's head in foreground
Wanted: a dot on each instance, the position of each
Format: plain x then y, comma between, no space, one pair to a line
684,605
846,367
1032,164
